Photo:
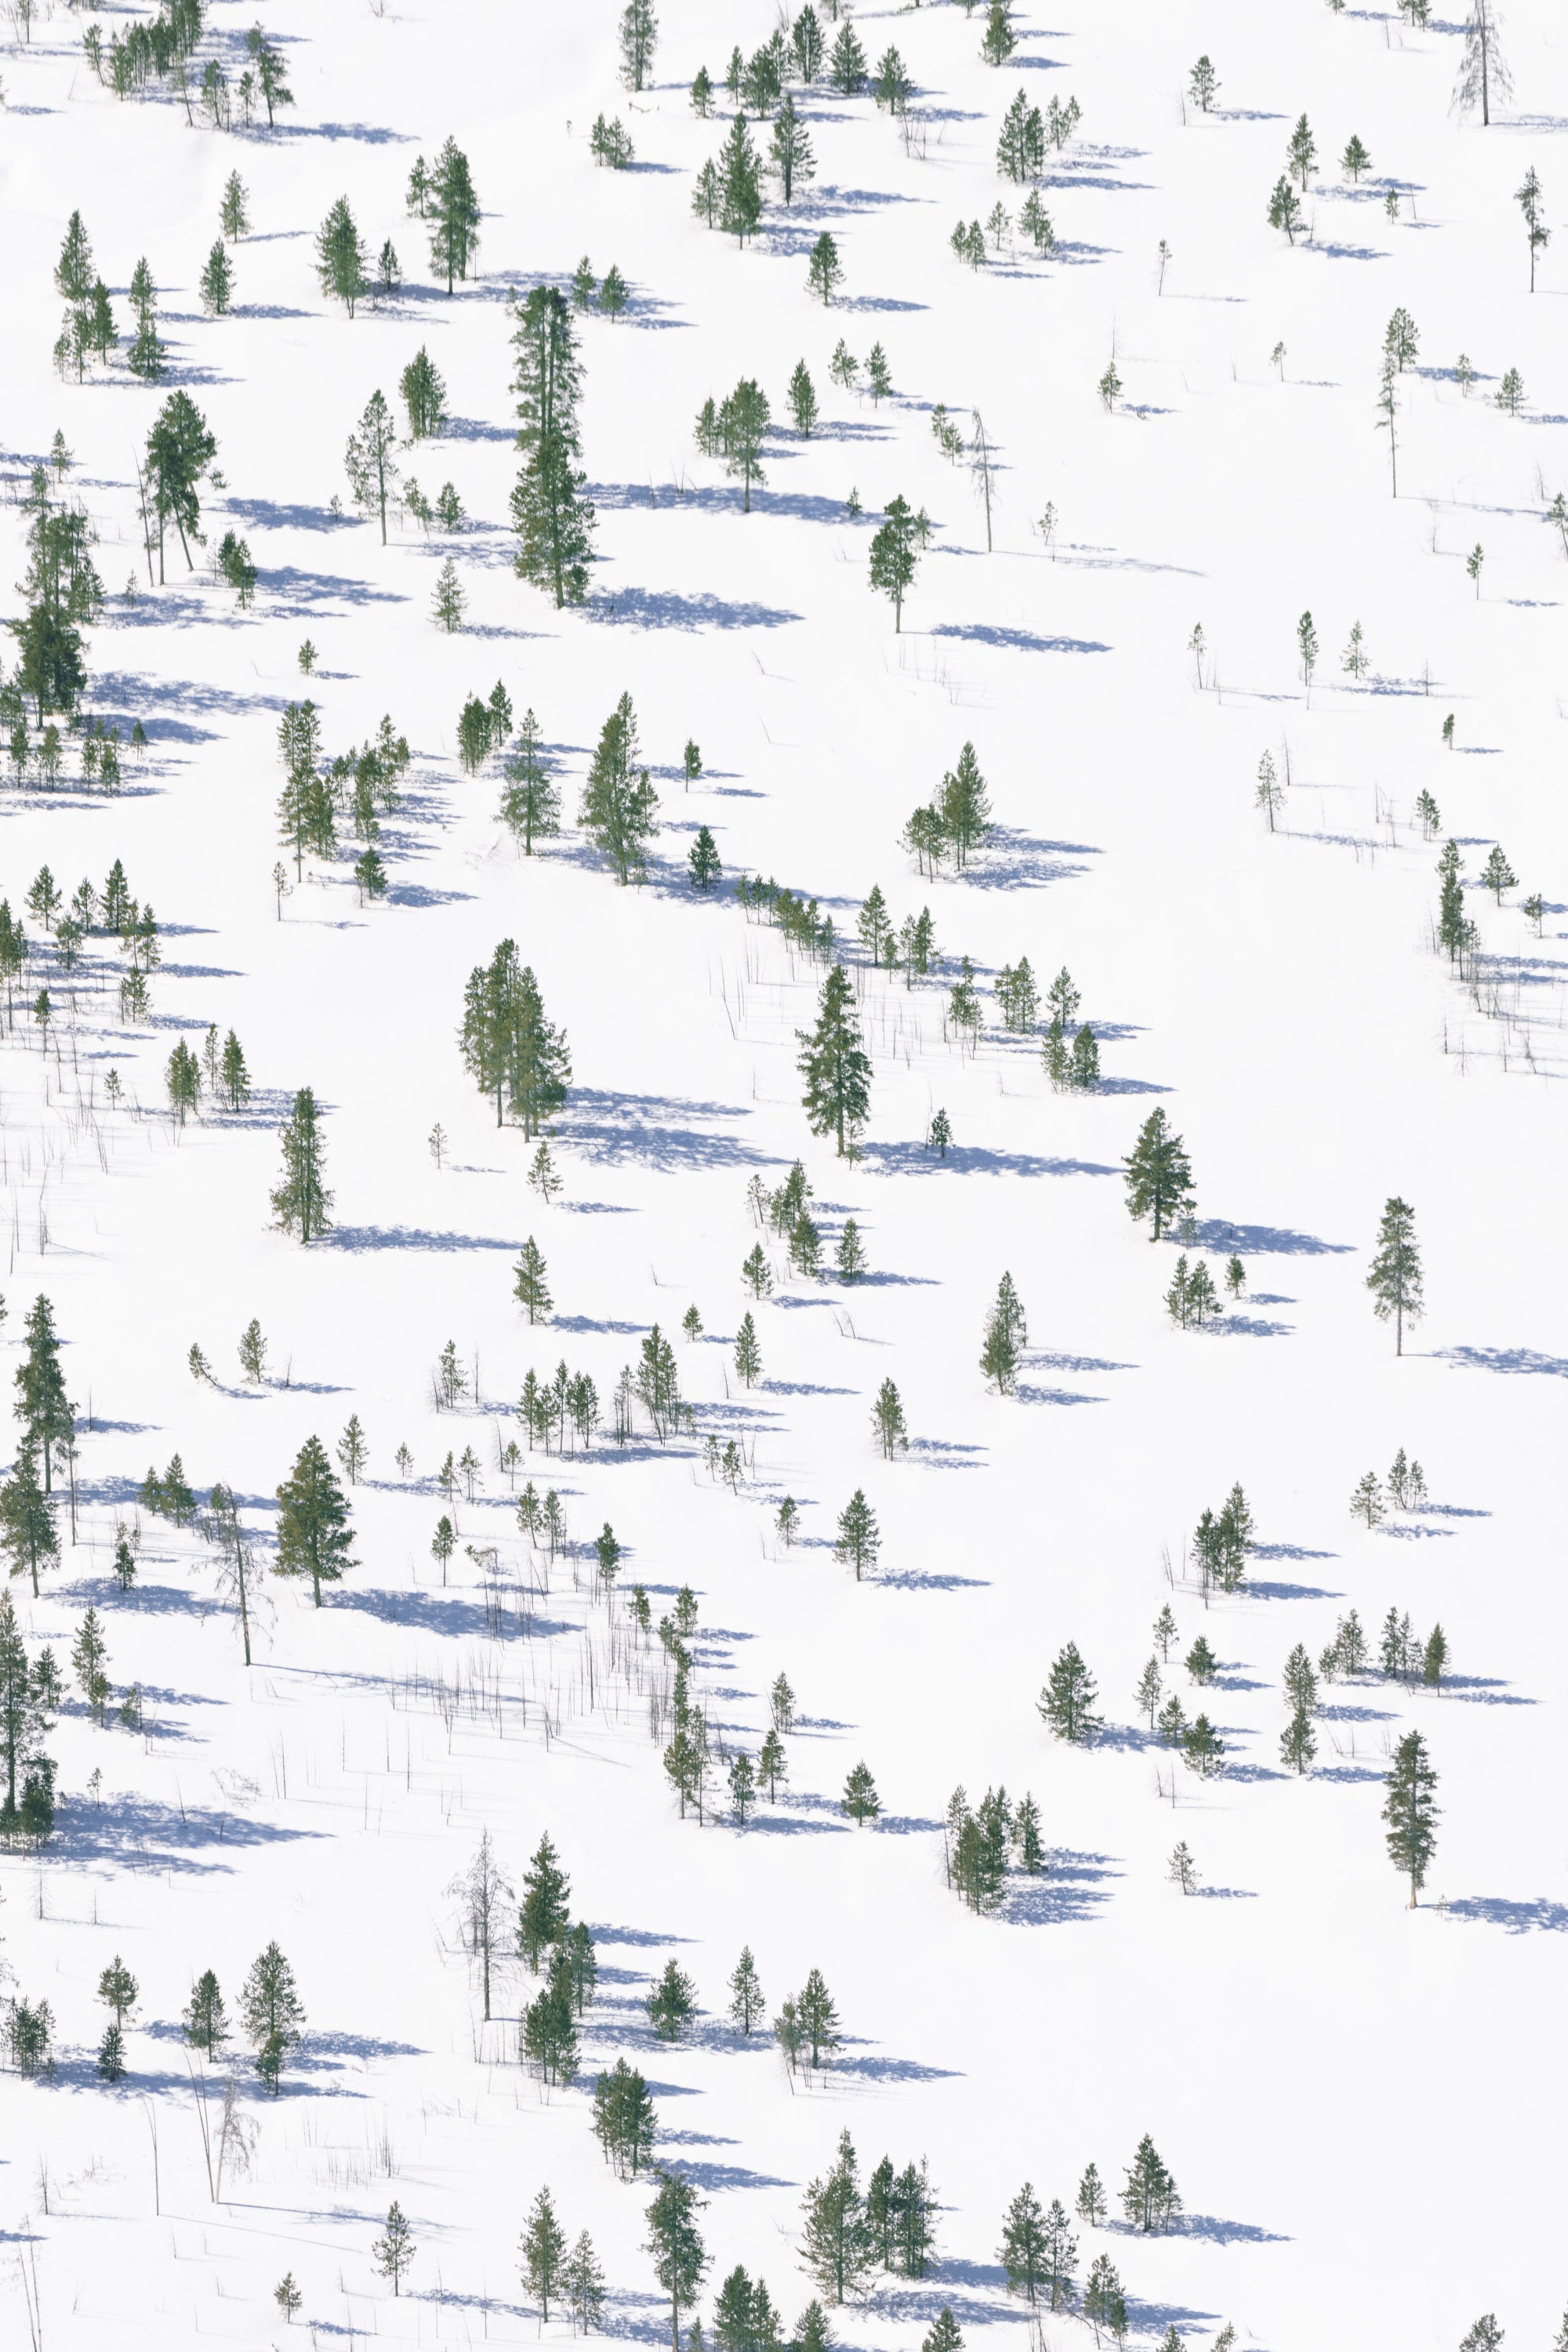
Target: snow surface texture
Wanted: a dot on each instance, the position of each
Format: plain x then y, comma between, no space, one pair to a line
1361,2104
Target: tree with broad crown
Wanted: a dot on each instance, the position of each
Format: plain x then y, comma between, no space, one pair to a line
1066,1699
859,1540
1486,2336
1159,1174
542,2247
836,1065
1149,2200
943,2335
1410,1812
392,2253
893,556
301,1203
1395,1280
552,521
314,1537
680,2259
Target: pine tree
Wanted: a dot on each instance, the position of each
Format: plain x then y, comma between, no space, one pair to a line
619,808
1394,1279
530,1286
739,185
846,64
300,1203
1159,1174
1285,208
1022,2252
859,1540
1092,2198
542,2247
835,1067
1066,1699
680,2259
179,451
860,1801
1006,1336
509,1046
531,804
893,558
454,214
887,1420
748,1353
206,2023
341,260
552,521
217,285
1410,1812
234,212
582,2282
791,157
392,2253
1298,1741
639,37
118,1988
623,2120
546,1893
836,2247
943,2335
274,2019
314,1537
1301,149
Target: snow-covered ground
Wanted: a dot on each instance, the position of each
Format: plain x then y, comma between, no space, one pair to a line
1359,2104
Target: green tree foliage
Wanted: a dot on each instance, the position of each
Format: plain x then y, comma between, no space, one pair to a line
620,808
454,214
369,462
1148,2199
509,1048
671,2004
301,1202
273,2016
543,2248
1006,1336
836,1065
861,1802
893,556
1394,1278
860,1538
837,2246
1067,1700
180,449
1410,1812
552,521
1159,1174
342,263
314,1537
680,2258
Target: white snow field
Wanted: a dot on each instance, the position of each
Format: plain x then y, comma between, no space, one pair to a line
1361,2103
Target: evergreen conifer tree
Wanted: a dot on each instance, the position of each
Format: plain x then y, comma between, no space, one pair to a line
509,1046
837,2246
1410,1812
739,184
835,1067
314,1537
1067,1700
1159,1174
893,558
342,264
1006,1336
679,2259
1394,1279
300,1203
860,1801
393,2252
746,1998
619,809
542,2247
180,449
529,1286
217,287
544,1917
859,1540
206,2022
271,2011
790,154
552,521
454,212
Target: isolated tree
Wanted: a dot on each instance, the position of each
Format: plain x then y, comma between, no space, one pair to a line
746,1996
1067,1700
1301,149
454,214
314,1537
1394,1279
1529,199
836,1065
1006,1335
1497,875
273,2016
217,283
672,2003
368,459
552,521
679,2259
234,210
639,35
619,807
180,449
301,1203
1149,2200
342,264
205,2024
1203,85
963,805
860,1538
483,1890
998,41
530,1287
860,1801
1484,77
847,63
393,2252
744,420
1023,2249
271,76
825,272
893,556
543,2248
1285,208
1159,1175
887,1420
1410,1812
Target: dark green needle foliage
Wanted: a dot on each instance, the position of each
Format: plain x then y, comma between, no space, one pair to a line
314,1537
